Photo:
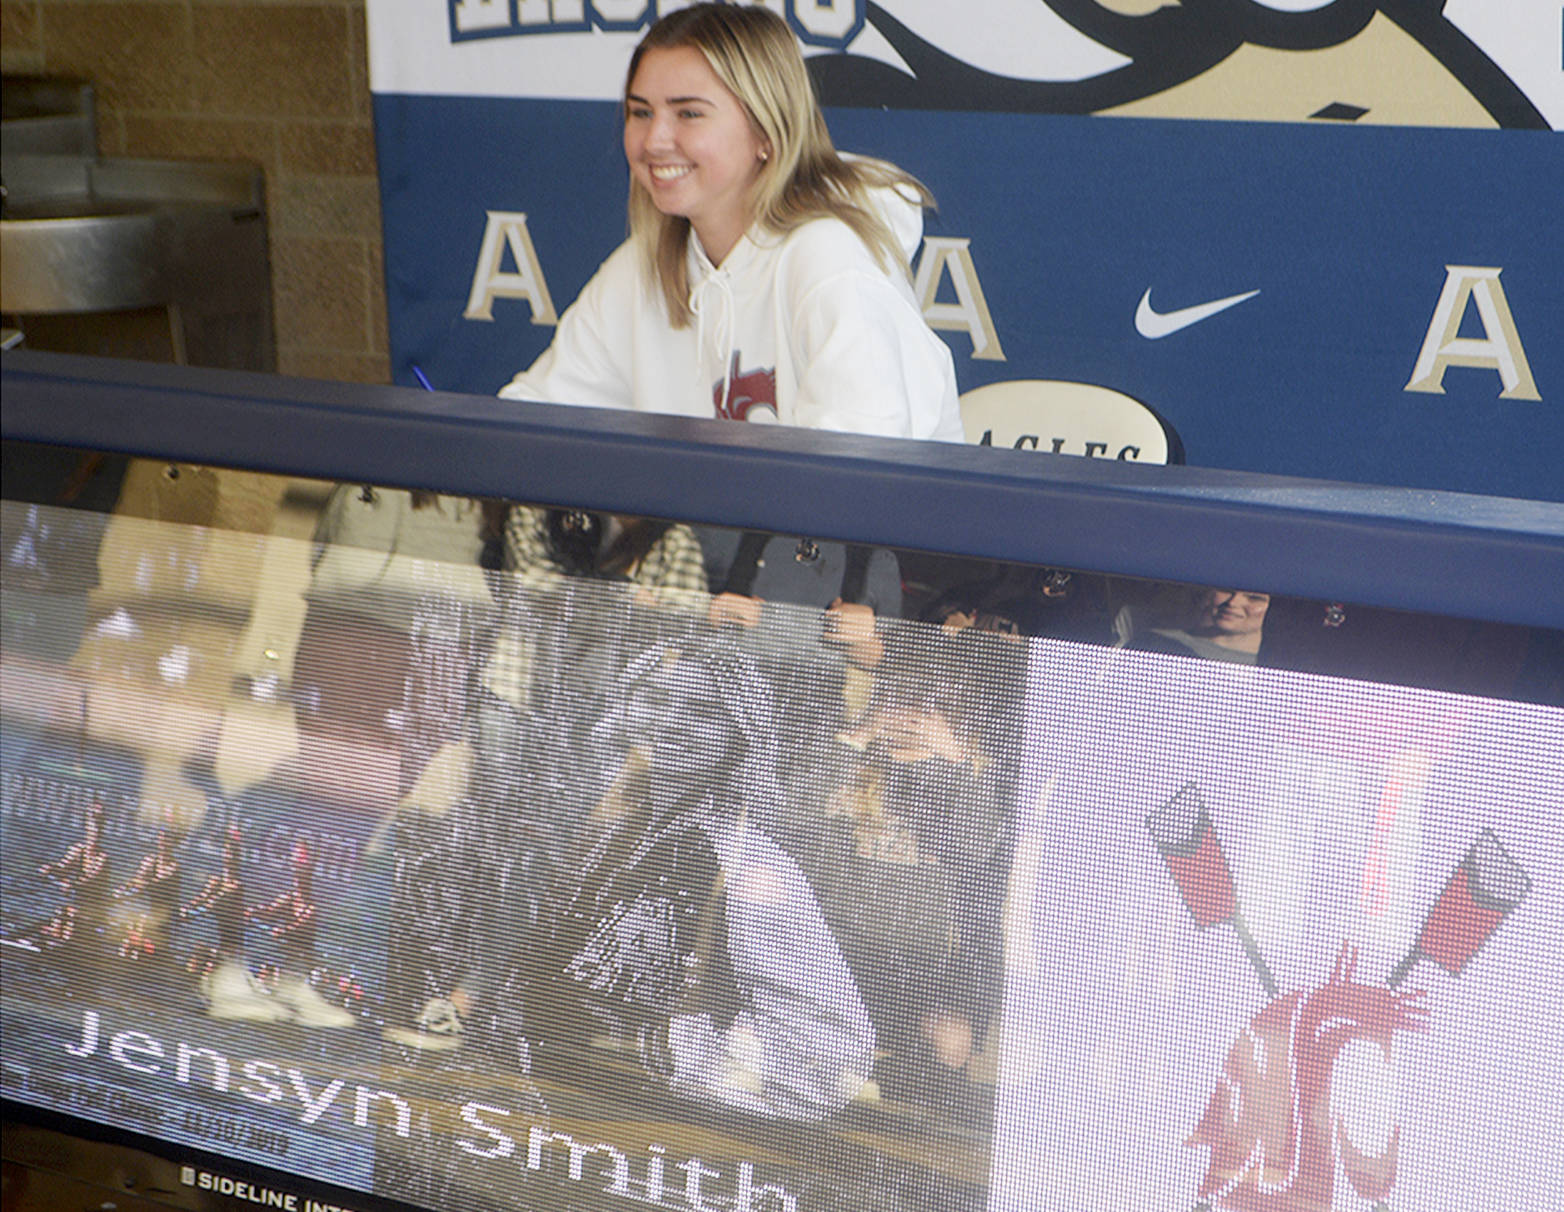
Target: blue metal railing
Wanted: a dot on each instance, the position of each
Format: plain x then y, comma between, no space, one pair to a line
1444,553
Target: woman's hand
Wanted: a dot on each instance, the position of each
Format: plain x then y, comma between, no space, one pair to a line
734,610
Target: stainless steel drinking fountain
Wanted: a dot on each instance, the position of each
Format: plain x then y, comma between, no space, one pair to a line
159,259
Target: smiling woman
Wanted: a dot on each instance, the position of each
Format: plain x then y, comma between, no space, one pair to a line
1218,624
766,277
692,147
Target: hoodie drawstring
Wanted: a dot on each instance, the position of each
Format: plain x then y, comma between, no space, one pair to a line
724,332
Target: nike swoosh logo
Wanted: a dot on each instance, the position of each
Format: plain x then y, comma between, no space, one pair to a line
1154,325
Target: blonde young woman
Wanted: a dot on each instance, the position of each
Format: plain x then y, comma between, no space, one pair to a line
766,275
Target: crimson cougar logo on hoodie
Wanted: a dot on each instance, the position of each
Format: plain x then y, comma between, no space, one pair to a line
747,396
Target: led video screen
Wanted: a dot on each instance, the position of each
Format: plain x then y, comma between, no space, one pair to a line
1285,941
469,854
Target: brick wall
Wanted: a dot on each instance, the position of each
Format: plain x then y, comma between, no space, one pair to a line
284,85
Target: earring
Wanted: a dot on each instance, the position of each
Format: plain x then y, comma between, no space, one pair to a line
764,156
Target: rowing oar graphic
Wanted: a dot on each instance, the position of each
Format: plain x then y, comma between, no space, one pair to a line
1484,889
1181,829
1182,832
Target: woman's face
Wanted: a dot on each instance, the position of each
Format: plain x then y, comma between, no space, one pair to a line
1232,611
678,720
691,145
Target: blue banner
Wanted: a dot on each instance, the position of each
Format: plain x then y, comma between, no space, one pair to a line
1365,303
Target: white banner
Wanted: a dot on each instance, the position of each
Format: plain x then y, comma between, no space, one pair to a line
577,49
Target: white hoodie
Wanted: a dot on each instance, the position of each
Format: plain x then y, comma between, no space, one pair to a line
803,329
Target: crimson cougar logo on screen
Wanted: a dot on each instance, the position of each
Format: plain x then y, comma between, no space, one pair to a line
823,23
1276,1135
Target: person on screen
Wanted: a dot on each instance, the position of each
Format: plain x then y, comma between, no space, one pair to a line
766,275
230,988
579,596
1222,625
293,919
908,848
157,884
83,873
690,935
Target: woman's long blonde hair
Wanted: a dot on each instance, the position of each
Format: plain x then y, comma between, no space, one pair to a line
753,52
